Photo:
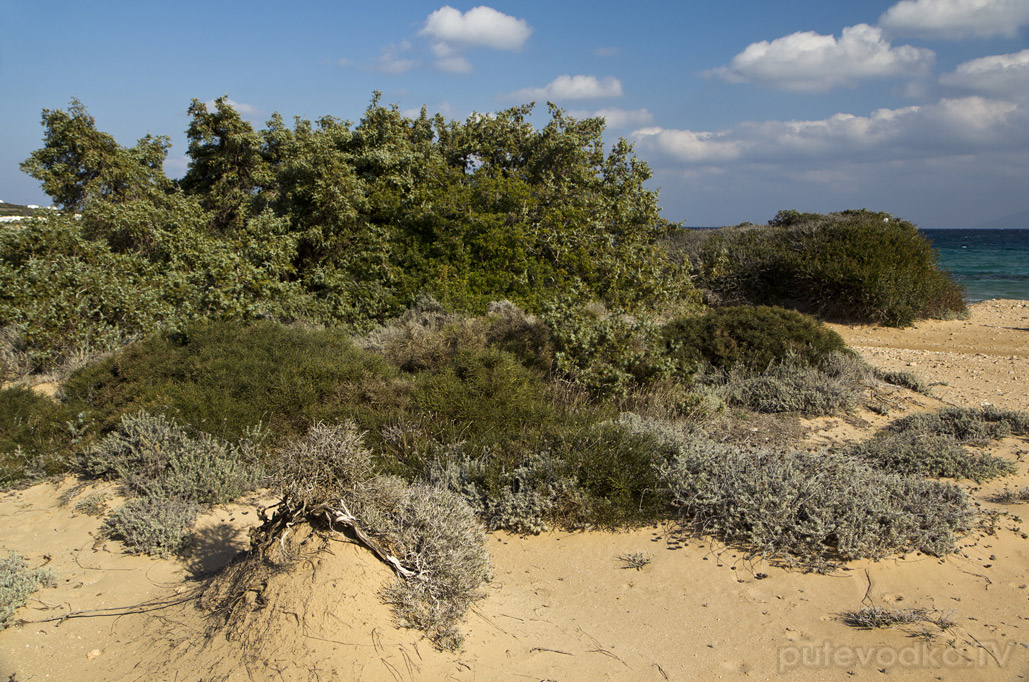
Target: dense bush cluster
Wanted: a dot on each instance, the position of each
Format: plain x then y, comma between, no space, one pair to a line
326,221
753,337
861,265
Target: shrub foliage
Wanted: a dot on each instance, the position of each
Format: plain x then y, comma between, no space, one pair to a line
854,264
17,582
754,337
327,221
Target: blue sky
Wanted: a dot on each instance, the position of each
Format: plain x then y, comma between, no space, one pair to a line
741,107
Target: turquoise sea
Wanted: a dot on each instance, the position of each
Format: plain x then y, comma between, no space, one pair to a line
990,263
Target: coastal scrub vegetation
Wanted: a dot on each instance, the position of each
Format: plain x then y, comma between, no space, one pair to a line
856,265
17,582
416,330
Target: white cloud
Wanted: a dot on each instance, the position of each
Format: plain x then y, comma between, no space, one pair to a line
454,64
952,126
451,32
238,106
689,146
1004,75
808,61
957,18
615,117
389,60
573,87
479,26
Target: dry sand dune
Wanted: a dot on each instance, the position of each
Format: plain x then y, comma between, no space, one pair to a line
561,606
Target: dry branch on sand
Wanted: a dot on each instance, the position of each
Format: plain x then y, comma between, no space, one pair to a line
429,536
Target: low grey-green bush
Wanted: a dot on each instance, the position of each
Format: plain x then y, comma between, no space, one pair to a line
907,380
972,425
1011,496
432,532
934,443
929,454
790,385
814,509
154,457
435,533
17,582
529,499
424,337
330,462
158,526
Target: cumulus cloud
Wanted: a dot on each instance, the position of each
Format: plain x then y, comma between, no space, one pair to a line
951,126
808,61
615,117
573,87
451,32
1004,75
957,18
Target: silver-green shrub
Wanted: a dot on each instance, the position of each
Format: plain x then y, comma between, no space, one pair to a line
933,443
432,531
158,526
814,509
17,582
154,457
791,385
435,533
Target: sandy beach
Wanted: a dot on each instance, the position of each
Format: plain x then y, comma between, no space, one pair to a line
562,606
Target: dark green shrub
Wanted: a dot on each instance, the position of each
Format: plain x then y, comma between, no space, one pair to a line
853,264
37,435
17,582
227,377
750,337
